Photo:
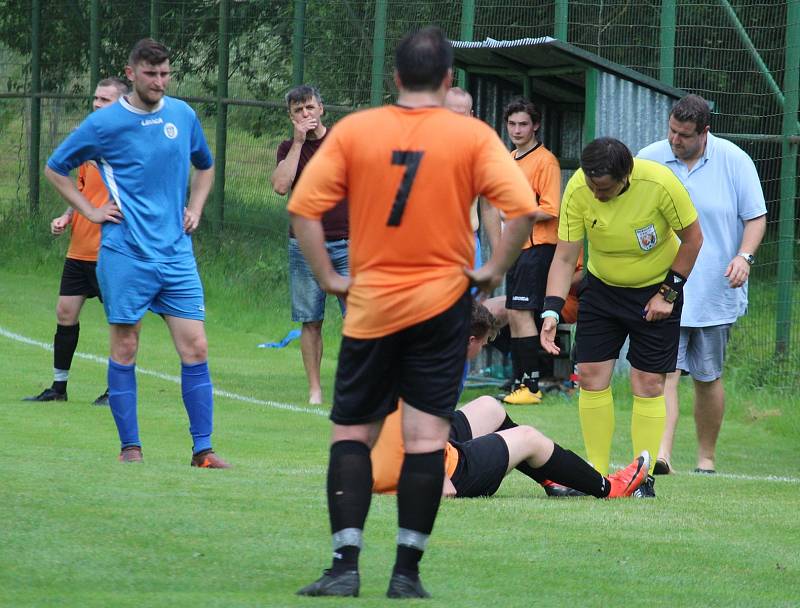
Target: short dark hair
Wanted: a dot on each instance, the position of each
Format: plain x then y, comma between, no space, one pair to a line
607,156
692,108
422,59
302,93
113,81
520,104
482,322
149,51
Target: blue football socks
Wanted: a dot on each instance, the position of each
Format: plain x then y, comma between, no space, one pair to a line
199,402
122,399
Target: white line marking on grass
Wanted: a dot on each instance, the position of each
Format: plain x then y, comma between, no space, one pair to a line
778,478
313,410
176,379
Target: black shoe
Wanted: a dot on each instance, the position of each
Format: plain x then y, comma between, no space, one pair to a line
647,489
345,584
556,490
102,399
48,394
402,586
662,467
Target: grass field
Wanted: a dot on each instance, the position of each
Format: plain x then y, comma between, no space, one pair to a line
80,529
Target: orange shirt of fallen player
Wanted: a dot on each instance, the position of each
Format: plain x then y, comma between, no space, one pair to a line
85,240
410,176
541,168
387,455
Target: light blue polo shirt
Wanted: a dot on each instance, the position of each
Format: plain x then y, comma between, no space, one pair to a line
726,190
144,159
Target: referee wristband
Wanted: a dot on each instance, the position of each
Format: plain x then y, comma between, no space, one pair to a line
675,280
553,303
551,313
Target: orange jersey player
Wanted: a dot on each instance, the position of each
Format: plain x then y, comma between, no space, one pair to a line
78,280
410,173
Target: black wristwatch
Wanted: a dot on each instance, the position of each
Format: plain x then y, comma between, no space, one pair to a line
669,294
749,257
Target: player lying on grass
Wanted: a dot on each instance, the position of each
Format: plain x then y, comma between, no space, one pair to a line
485,445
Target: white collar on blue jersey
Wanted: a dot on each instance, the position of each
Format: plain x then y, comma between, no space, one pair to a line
131,108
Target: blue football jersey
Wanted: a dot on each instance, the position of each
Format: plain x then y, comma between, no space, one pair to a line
144,160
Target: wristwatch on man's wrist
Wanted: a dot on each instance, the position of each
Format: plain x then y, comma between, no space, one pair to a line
669,294
749,257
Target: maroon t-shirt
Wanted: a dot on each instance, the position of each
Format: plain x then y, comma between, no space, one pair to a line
334,222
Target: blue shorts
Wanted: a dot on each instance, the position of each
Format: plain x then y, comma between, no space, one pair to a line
130,287
308,298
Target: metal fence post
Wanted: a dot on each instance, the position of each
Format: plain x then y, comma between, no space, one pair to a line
666,55
789,150
222,115
298,41
467,32
155,17
36,108
94,44
378,47
562,20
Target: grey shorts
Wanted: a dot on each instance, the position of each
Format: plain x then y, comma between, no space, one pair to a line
701,351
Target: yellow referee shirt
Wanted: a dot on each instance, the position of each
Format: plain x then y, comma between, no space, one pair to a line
632,240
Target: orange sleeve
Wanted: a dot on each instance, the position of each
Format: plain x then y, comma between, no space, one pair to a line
85,240
547,184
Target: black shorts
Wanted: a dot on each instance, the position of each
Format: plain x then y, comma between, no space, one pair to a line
482,465
422,364
607,315
79,279
526,280
460,430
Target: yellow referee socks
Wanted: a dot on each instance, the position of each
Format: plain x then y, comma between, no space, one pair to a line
596,410
647,425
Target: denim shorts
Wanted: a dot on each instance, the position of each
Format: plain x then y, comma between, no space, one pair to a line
308,298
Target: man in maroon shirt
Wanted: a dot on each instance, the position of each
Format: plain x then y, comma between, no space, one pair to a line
308,299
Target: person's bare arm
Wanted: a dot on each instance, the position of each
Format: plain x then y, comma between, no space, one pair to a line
70,193
691,240
490,220
311,237
202,180
738,270
489,276
284,174
559,280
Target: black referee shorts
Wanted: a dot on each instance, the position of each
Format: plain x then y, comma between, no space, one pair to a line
607,315
421,364
79,279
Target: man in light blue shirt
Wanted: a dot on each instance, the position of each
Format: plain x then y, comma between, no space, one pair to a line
144,145
725,188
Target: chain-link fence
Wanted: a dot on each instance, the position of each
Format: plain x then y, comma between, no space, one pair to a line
234,60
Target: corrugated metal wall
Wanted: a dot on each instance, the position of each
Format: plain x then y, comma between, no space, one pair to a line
634,114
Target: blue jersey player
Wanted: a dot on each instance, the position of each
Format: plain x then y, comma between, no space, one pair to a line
143,145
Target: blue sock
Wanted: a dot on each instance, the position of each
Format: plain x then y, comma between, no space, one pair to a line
199,402
122,399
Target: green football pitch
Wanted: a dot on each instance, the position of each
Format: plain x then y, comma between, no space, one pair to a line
81,529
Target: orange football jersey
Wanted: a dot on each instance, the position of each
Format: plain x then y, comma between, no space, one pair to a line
544,175
85,240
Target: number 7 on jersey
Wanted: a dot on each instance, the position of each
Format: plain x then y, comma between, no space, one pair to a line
411,161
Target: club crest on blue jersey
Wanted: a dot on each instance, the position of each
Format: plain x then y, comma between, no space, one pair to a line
170,130
647,237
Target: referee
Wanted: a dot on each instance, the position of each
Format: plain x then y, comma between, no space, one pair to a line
643,238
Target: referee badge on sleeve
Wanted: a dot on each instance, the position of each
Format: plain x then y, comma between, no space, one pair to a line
647,237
